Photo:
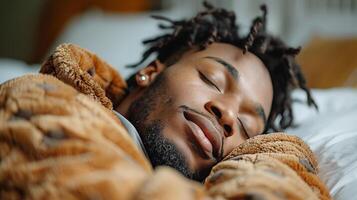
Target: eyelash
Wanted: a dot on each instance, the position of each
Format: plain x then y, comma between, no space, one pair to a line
208,81
245,131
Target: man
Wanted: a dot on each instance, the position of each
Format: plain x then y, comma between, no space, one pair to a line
208,91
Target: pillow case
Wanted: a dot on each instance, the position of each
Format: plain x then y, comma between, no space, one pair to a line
116,38
11,68
332,135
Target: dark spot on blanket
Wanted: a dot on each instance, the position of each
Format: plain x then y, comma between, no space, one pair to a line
308,166
237,158
255,197
77,83
52,137
46,86
21,114
91,71
251,196
245,158
215,177
9,190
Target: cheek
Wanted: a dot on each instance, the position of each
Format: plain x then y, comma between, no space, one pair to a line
185,90
189,90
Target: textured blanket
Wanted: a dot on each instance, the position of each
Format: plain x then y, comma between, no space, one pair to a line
60,140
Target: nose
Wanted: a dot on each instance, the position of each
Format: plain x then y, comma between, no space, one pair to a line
224,114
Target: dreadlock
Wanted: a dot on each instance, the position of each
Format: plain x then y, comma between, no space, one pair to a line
219,25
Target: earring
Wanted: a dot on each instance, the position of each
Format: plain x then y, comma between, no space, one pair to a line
143,77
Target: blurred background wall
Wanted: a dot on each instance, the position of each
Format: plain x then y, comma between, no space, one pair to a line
18,23
327,30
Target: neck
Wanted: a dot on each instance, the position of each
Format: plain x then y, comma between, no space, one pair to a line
124,105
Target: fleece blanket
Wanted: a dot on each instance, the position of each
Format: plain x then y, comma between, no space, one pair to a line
59,139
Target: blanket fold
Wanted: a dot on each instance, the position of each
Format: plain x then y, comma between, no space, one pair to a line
59,139
87,73
281,166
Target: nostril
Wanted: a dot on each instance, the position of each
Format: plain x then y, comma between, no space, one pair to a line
216,112
228,129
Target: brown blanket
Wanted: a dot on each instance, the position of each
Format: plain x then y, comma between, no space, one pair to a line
60,140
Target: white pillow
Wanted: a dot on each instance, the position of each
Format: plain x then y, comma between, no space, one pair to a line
332,135
10,68
116,38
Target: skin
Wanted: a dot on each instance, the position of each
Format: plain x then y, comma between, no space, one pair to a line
201,89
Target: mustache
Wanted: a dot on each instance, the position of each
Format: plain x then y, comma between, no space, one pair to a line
185,107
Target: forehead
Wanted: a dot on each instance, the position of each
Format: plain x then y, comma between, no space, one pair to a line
254,78
226,52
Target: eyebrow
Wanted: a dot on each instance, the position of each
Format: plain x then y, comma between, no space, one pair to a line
232,71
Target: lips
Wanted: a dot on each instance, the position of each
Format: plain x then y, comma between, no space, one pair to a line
205,132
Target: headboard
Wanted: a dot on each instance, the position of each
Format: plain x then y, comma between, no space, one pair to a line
329,29
330,62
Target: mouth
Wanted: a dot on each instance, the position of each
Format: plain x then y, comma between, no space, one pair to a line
205,132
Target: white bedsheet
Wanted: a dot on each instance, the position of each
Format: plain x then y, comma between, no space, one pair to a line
332,135
10,68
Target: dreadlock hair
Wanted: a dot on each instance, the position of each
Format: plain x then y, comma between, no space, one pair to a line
219,25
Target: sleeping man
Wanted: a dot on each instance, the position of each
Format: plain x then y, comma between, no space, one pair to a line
202,102
209,90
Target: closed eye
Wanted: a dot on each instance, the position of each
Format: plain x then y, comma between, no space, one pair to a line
208,81
242,126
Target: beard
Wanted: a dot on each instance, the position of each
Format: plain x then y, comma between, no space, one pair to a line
161,151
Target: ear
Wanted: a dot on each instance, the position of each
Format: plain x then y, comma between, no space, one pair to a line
147,75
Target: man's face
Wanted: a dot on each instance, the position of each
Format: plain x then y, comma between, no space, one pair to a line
203,106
